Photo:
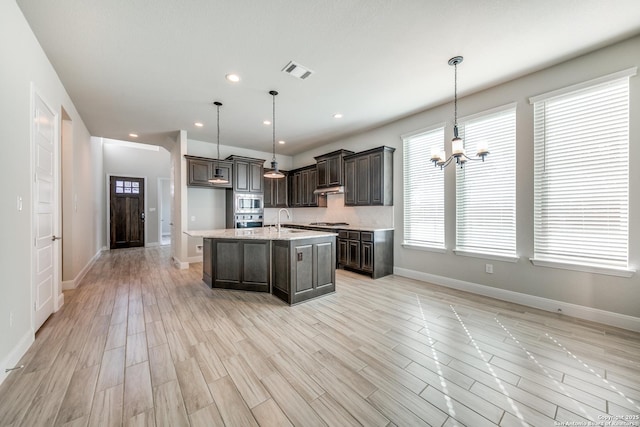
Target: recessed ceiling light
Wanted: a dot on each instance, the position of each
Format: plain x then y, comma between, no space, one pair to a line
198,124
266,122
233,78
337,116
281,142
133,135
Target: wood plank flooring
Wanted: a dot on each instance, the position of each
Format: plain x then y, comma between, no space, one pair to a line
142,343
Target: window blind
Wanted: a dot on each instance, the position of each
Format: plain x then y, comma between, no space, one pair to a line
423,190
581,177
486,191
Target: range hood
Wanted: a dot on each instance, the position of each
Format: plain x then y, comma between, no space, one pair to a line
338,189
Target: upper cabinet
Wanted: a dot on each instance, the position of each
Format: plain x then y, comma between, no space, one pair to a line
201,169
276,194
302,184
330,168
368,177
247,174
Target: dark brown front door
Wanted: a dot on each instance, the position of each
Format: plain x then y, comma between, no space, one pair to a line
127,212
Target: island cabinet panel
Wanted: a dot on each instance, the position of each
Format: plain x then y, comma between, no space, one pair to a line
325,260
304,268
237,264
281,261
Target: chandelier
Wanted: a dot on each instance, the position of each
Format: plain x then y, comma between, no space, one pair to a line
457,146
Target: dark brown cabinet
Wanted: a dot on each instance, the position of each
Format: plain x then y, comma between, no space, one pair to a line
276,194
303,269
303,183
369,252
330,168
368,177
237,264
247,174
201,169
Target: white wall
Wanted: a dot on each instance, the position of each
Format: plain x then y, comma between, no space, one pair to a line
24,62
141,161
595,291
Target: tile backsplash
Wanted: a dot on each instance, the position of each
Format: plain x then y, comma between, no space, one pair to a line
336,211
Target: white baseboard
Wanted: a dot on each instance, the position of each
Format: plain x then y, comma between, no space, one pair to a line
152,244
73,283
582,312
197,258
14,355
180,264
60,301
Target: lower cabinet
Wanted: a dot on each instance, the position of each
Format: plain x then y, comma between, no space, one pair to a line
304,268
369,252
236,264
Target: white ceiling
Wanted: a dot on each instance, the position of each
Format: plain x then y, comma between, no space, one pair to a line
154,67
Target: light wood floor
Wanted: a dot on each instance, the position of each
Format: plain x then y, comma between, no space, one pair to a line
142,343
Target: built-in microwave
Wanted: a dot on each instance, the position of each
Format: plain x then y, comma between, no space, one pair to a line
249,203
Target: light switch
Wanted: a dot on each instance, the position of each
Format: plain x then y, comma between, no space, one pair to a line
193,218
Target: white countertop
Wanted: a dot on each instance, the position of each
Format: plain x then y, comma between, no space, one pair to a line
259,234
352,227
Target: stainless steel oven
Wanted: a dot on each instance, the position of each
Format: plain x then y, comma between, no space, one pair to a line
248,203
248,220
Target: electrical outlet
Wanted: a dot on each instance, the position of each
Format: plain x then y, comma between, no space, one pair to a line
488,268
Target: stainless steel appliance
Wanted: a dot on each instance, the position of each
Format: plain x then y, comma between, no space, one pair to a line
244,210
248,203
248,220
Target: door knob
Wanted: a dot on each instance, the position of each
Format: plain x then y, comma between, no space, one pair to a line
54,238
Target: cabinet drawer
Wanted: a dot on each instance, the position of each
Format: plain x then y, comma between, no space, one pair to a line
366,236
354,235
343,234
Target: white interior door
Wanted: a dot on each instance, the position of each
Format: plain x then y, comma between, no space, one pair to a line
45,211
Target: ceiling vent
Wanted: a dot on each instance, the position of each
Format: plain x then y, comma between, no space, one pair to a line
296,70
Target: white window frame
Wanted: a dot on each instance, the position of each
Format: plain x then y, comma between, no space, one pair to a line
486,191
423,186
550,254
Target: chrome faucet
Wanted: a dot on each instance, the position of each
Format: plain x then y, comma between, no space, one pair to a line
279,212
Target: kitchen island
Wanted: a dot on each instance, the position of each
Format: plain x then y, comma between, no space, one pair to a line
294,265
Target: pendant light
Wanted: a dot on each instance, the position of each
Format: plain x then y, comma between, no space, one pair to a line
218,178
457,145
274,172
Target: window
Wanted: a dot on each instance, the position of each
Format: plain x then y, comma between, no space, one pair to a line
423,190
486,191
581,178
